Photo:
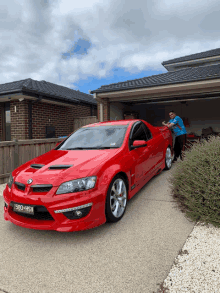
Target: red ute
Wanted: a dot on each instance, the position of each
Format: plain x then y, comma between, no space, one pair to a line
87,178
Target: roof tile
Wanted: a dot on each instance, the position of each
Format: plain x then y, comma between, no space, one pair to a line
178,76
210,53
47,88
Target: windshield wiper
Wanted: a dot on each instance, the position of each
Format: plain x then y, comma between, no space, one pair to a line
101,148
97,148
77,149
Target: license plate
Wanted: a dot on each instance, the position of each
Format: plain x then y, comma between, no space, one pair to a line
23,209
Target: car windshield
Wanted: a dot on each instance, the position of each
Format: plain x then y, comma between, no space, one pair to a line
97,137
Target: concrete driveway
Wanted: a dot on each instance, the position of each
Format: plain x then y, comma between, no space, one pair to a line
130,256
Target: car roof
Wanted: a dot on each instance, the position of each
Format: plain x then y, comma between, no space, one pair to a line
113,122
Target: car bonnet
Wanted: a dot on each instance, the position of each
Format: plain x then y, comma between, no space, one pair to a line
59,166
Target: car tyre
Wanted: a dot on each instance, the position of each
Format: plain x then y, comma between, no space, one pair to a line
116,200
168,159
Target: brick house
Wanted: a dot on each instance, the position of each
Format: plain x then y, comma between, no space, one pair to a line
31,109
191,88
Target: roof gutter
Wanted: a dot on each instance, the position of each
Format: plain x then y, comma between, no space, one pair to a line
191,61
179,100
165,90
12,91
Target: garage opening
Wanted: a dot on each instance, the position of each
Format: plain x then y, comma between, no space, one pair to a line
197,113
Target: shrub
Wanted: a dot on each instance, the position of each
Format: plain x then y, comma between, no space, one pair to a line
195,186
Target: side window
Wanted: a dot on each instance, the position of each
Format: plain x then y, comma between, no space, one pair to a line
138,133
147,131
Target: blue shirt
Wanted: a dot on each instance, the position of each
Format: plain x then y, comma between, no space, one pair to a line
178,128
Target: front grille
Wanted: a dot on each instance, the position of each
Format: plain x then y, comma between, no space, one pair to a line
20,186
41,188
40,213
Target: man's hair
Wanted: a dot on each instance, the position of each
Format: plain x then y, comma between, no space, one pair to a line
172,112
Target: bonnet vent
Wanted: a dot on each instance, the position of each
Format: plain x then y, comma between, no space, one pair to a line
37,166
59,167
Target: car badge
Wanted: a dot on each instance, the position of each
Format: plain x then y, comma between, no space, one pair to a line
29,181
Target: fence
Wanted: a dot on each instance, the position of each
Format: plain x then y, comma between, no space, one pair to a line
15,153
79,122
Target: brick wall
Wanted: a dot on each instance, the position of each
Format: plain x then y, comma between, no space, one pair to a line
60,117
19,124
43,114
81,111
19,119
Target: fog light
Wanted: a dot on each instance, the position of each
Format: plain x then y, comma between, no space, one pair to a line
73,209
78,213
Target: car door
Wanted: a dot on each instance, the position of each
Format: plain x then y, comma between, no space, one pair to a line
151,146
141,165
156,144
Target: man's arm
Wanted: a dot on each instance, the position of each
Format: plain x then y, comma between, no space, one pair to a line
172,124
168,124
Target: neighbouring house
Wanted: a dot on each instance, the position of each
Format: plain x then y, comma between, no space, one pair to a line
191,87
31,109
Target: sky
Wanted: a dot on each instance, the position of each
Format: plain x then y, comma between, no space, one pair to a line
85,44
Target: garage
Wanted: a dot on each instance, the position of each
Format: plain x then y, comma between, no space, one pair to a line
191,88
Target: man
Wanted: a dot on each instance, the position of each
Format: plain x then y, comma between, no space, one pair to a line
180,132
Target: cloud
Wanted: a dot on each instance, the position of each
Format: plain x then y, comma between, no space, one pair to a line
68,41
211,22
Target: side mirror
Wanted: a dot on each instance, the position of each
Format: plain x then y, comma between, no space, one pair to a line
138,144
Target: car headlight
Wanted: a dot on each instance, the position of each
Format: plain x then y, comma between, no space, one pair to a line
77,185
10,181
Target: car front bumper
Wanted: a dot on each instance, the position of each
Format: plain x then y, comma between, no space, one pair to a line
59,220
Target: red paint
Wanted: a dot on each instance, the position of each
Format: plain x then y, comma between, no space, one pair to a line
139,165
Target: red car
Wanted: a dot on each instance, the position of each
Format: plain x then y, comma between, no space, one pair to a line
87,178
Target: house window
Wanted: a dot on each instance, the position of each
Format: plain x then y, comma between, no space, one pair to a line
7,122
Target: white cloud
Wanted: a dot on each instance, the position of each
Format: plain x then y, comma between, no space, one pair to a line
76,7
133,35
184,7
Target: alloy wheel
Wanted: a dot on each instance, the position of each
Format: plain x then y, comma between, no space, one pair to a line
168,159
116,201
